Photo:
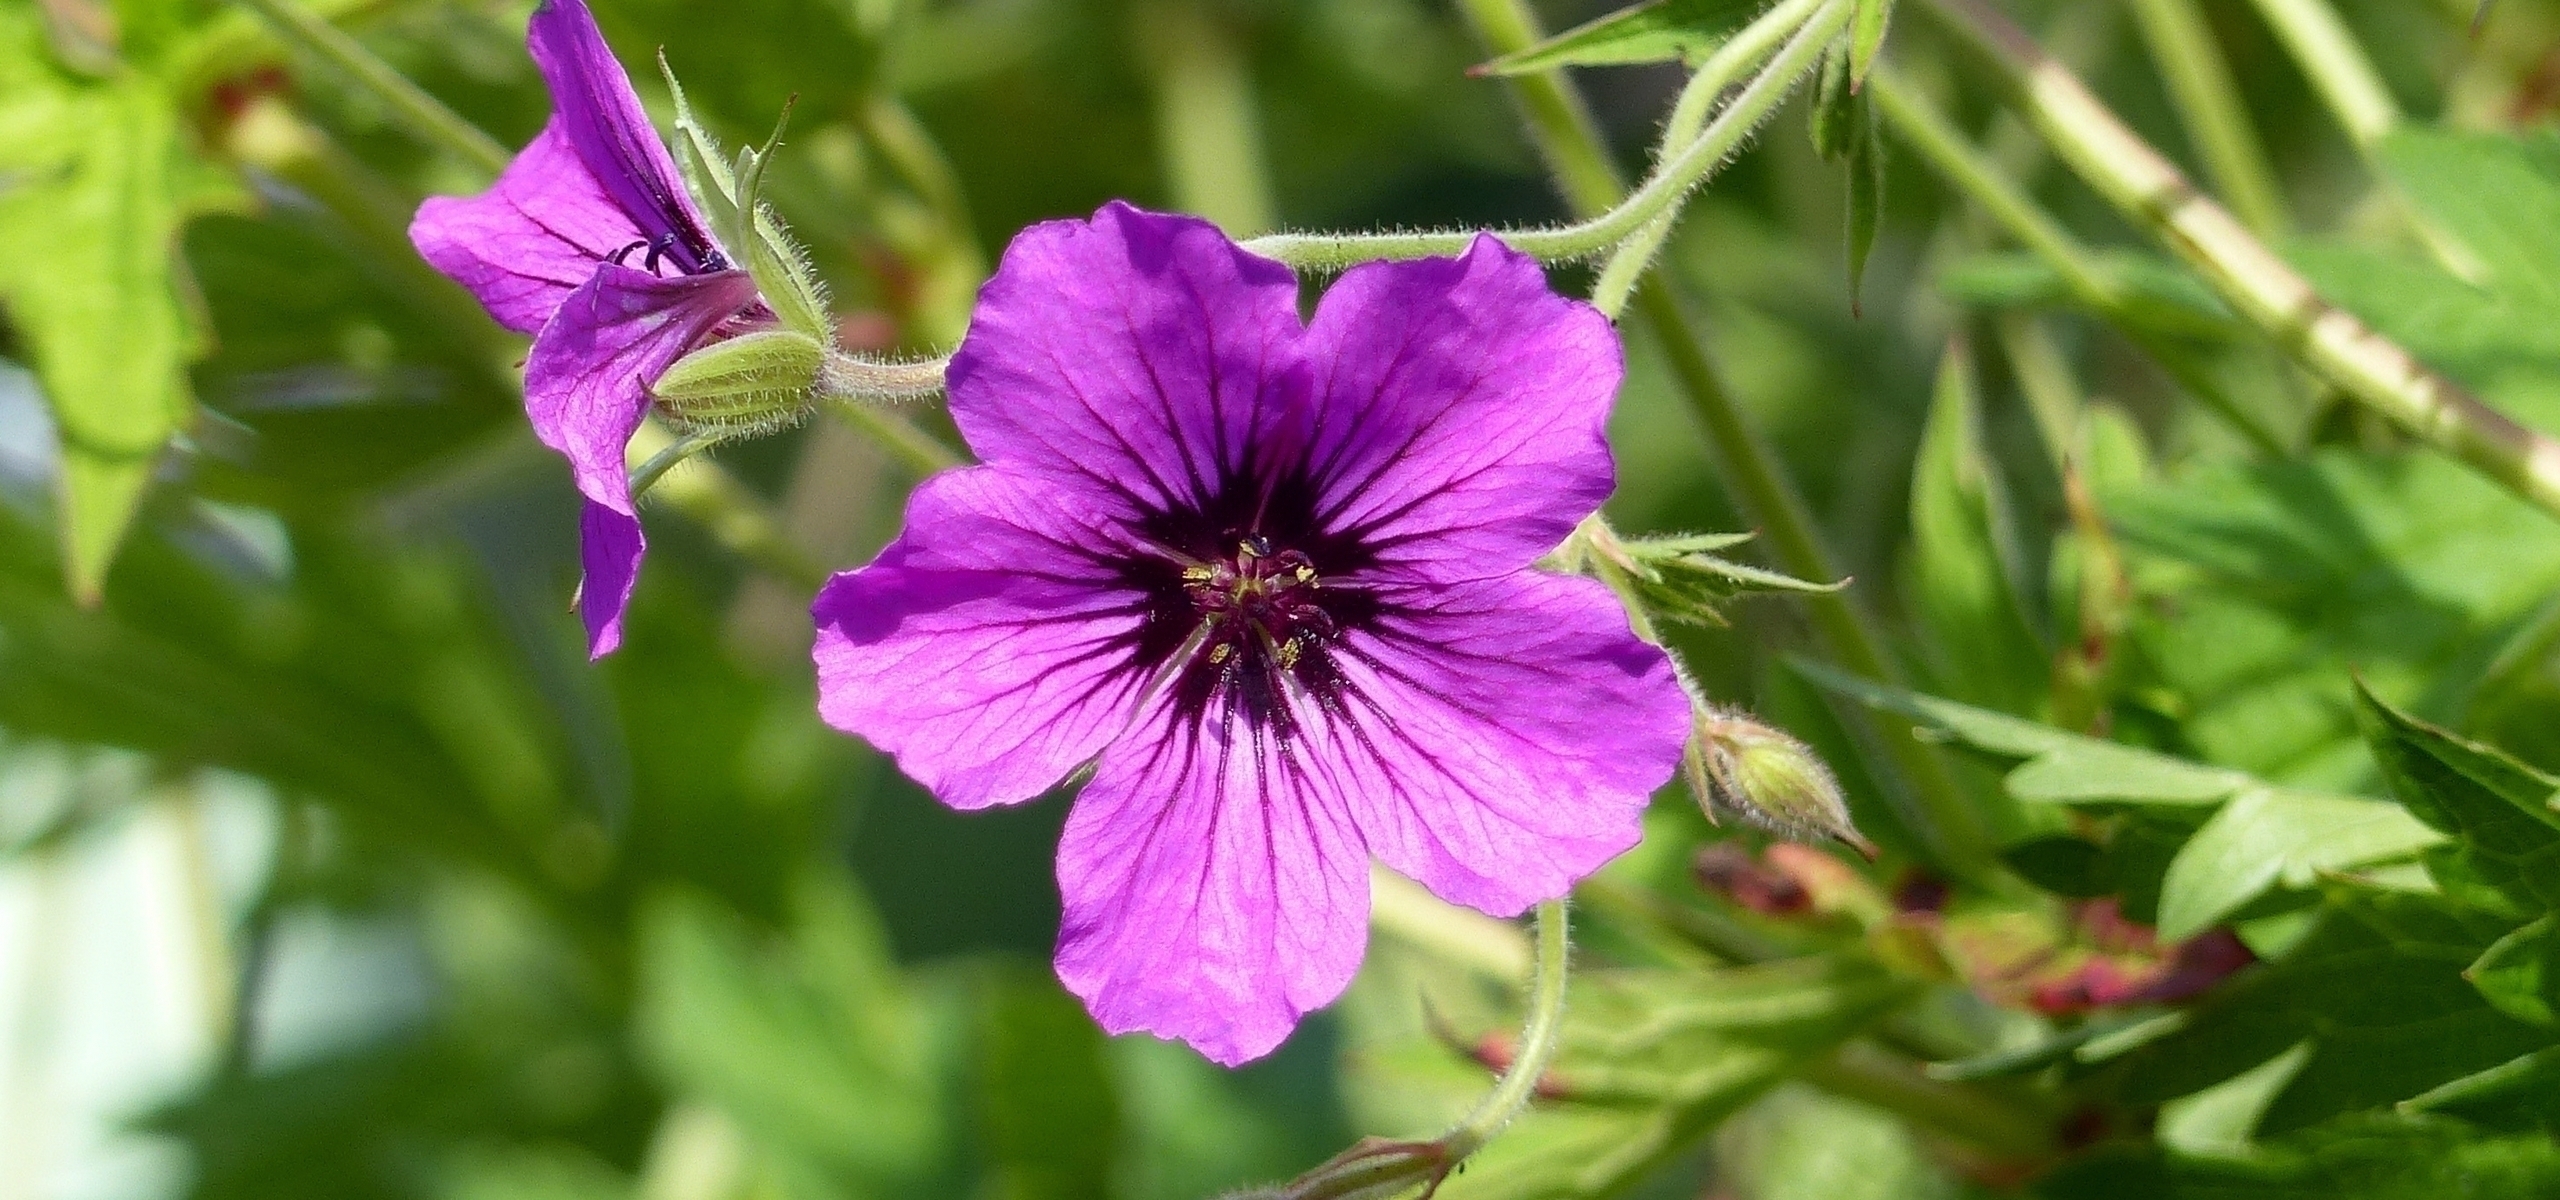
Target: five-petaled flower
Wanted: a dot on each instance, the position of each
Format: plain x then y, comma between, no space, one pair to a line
1273,580
590,243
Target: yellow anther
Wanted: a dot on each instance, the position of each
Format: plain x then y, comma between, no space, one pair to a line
1219,652
1199,574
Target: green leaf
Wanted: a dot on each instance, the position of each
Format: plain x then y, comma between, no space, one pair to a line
810,1041
2375,988
1867,24
2285,577
2264,836
1046,1101
2520,974
2522,1091
2471,331
2500,811
1960,577
95,184
2060,766
2498,195
2267,836
1655,32
2368,1158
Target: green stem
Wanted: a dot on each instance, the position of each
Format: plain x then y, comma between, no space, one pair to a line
1748,48
1539,1040
647,474
734,516
1923,128
2208,105
1207,127
1952,830
1617,218
1560,125
426,116
2257,284
922,452
2336,65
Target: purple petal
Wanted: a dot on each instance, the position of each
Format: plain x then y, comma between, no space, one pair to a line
984,649
594,105
586,384
534,236
1132,357
1214,891
1459,411
586,389
1498,739
609,546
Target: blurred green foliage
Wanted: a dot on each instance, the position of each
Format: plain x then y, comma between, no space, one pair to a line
678,941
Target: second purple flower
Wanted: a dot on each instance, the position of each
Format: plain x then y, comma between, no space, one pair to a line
1272,581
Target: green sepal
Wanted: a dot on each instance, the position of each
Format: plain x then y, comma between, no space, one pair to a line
1867,23
754,380
729,192
1680,579
1866,202
1836,115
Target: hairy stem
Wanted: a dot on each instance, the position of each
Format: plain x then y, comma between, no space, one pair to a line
2208,105
425,116
1748,48
1613,222
1952,830
1538,1042
2150,192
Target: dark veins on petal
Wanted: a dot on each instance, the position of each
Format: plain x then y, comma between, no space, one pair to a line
1246,590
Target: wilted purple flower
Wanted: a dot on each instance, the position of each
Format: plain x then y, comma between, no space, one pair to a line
1273,579
589,243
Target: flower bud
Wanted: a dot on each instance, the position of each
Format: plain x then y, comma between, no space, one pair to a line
759,380
1764,776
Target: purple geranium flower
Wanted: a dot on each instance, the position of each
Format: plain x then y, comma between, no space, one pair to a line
1273,580
589,243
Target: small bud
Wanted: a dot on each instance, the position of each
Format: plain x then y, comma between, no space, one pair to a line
1738,766
759,380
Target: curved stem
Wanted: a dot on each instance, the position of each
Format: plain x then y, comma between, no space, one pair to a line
1539,1039
665,460
426,116
1747,49
1661,192
922,452
1952,831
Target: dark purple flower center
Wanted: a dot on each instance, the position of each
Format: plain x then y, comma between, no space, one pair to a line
1245,603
